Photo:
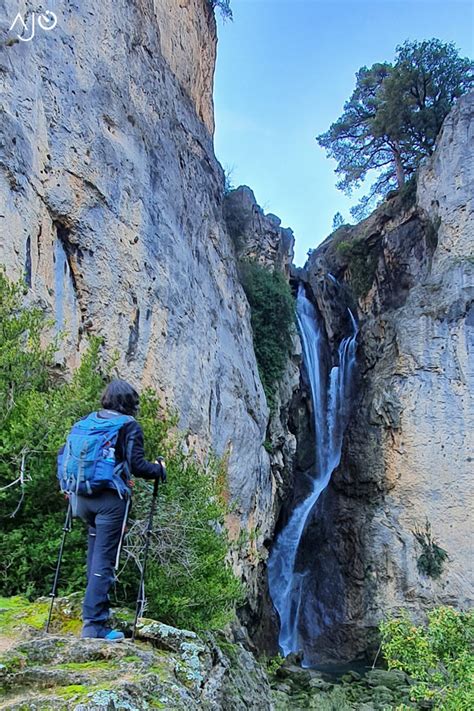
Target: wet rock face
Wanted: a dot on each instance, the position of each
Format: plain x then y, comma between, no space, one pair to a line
111,206
259,615
405,458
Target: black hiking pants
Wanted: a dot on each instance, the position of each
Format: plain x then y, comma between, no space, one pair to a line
105,514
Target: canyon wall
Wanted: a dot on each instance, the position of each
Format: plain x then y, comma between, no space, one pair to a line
111,208
259,237
406,458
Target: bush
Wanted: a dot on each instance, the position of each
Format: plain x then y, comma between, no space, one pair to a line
437,656
273,318
362,263
35,416
432,557
189,581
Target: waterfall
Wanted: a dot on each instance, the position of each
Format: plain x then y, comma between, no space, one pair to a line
329,398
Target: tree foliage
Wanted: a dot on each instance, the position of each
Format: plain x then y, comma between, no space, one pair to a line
273,318
362,263
394,115
224,8
188,581
337,221
437,656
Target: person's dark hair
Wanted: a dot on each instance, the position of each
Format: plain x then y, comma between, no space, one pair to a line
121,397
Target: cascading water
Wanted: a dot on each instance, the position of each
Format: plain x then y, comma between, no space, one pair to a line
329,396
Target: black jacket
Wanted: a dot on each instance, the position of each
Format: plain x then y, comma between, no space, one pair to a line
140,467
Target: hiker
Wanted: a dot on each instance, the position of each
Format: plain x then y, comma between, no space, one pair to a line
94,468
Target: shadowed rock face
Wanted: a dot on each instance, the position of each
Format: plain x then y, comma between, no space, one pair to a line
111,205
405,457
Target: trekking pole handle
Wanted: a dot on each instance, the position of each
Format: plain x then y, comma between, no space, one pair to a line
161,461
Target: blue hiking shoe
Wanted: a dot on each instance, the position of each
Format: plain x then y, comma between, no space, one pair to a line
114,636
90,631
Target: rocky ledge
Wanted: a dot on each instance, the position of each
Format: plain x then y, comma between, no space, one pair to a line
166,668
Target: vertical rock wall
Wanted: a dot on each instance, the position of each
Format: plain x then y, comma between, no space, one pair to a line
259,237
406,459
111,207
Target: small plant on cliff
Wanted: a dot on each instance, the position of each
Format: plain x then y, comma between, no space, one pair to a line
273,319
432,558
223,6
273,664
362,263
337,221
437,656
228,184
189,580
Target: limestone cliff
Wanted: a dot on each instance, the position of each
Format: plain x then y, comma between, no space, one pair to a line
111,207
410,268
257,236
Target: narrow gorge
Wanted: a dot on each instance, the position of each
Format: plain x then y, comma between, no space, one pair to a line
299,612
115,212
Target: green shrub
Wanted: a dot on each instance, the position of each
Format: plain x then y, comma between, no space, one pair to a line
273,319
432,557
35,416
344,248
362,263
437,656
189,581
273,664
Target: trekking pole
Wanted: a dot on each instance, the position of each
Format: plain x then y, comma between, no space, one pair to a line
141,589
66,529
122,536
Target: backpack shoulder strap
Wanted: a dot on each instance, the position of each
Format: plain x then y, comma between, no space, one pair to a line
127,463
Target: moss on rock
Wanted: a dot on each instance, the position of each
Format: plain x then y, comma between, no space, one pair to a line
166,668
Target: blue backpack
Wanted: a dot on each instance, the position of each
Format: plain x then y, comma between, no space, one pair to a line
86,463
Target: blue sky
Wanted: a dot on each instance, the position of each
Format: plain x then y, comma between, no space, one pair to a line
284,70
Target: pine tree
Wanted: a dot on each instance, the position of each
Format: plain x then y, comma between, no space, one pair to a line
394,115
